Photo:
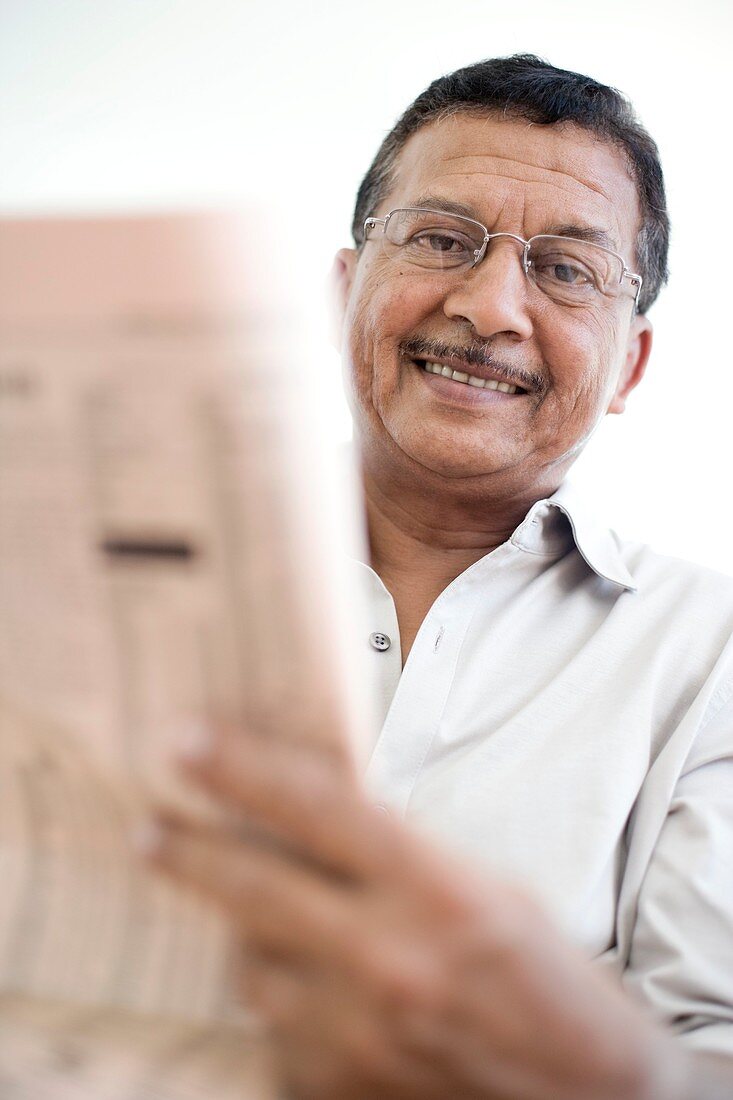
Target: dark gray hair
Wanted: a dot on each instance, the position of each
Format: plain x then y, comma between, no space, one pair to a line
526,87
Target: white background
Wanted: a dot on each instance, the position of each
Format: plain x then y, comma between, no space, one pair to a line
121,104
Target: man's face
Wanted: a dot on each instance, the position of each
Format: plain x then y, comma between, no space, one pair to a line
576,362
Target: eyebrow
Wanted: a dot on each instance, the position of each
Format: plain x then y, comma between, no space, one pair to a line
594,234
448,206
591,233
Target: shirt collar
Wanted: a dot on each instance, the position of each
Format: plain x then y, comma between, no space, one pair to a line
543,530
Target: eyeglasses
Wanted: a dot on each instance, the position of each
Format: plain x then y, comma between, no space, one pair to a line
568,270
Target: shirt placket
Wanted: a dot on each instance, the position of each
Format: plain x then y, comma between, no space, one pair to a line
424,686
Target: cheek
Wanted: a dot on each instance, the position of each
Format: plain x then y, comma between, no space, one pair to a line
391,301
386,311
582,356
363,335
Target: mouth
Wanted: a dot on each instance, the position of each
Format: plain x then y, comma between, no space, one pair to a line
487,379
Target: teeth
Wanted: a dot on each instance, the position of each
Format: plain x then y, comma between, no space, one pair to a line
469,379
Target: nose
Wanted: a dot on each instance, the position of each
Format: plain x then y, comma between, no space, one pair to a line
493,296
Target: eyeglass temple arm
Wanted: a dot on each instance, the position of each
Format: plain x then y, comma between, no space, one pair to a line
635,280
372,223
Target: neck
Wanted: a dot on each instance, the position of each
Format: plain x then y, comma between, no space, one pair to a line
426,529
435,528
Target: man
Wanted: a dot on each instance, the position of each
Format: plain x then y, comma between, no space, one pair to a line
558,704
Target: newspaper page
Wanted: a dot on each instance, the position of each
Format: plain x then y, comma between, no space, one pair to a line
173,547
52,1051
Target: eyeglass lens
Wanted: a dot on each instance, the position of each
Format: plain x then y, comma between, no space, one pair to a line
567,270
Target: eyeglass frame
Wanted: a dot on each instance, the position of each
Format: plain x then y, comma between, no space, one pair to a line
479,253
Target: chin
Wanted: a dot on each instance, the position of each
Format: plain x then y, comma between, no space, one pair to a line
454,459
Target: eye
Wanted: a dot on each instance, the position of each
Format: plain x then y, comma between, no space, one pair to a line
440,241
431,239
567,273
561,269
571,270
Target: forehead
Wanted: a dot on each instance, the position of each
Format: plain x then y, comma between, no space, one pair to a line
517,176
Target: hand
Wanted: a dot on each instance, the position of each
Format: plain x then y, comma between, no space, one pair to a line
384,968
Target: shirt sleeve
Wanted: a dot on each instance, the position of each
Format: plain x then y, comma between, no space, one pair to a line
681,953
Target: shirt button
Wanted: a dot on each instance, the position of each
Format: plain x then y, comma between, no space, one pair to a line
380,641
382,809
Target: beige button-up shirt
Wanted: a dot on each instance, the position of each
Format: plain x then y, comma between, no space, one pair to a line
565,717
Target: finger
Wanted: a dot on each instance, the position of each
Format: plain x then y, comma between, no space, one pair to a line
281,905
273,986
276,903
338,1043
299,796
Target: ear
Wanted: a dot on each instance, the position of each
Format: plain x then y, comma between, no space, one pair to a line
638,351
340,282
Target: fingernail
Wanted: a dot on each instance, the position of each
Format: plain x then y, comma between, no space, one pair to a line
194,741
146,838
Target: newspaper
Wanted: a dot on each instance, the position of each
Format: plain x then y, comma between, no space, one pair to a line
173,548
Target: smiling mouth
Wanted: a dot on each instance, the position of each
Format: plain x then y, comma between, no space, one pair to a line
467,379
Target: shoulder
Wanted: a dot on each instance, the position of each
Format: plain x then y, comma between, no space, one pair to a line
660,577
680,638
681,619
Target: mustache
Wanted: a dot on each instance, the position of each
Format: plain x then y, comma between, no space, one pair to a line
476,355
